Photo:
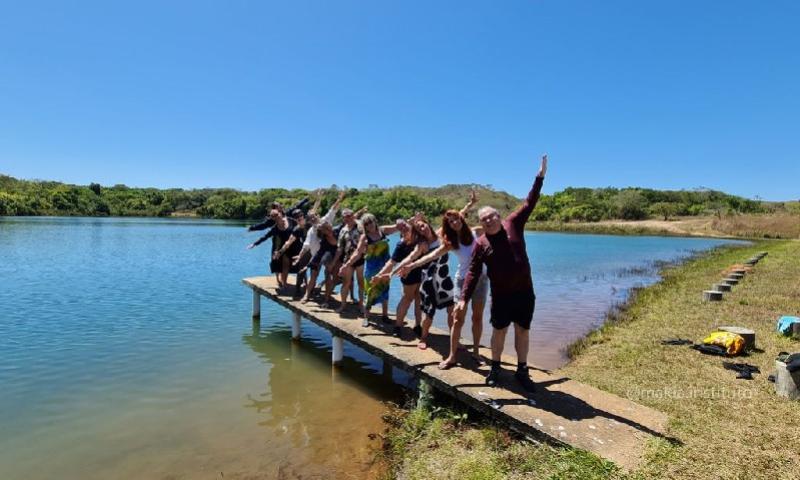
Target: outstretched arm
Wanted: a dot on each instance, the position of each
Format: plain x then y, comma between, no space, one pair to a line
433,255
267,223
315,208
263,239
420,249
388,229
334,208
301,205
521,214
473,199
281,251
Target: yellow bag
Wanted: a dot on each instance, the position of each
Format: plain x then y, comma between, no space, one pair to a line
731,342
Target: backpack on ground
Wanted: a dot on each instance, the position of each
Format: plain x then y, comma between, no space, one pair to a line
731,342
785,324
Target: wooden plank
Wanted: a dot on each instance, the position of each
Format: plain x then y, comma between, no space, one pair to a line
561,411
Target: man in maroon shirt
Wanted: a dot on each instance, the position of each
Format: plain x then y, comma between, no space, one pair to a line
502,249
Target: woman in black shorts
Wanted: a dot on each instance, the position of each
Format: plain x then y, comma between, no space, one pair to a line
406,245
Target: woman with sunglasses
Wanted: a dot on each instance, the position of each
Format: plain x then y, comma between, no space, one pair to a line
280,233
459,238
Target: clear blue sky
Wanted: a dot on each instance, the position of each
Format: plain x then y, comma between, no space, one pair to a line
250,94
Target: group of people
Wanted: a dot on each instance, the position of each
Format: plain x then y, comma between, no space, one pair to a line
490,256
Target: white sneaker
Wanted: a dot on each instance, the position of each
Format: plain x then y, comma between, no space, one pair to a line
365,323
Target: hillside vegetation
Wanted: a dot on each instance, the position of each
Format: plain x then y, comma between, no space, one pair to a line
571,205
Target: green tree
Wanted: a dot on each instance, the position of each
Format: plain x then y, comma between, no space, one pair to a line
663,209
631,205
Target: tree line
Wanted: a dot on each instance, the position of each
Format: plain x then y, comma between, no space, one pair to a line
33,197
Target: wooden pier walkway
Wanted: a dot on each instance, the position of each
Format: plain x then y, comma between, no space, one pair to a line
561,411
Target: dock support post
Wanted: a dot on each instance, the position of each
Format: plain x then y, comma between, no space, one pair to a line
338,350
296,326
256,304
425,398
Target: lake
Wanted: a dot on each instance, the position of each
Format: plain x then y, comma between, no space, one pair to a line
127,350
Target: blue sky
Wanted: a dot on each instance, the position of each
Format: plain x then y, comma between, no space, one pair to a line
253,94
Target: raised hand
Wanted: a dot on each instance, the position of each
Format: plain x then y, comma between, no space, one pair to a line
543,166
251,246
473,196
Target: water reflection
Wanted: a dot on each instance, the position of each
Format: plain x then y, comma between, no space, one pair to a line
319,411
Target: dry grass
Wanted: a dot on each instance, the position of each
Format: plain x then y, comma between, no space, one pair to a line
777,225
782,225
729,428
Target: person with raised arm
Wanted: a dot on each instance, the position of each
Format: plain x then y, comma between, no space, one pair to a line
460,239
410,281
501,249
349,235
437,288
324,257
280,233
312,242
372,251
269,222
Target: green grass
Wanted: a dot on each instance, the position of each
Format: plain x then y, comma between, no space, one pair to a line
734,428
727,428
445,444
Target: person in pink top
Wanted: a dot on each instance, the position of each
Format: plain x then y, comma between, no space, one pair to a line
501,249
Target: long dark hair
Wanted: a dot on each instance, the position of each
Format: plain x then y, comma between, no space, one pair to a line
454,238
420,236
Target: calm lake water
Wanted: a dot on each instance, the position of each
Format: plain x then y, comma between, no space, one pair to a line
127,350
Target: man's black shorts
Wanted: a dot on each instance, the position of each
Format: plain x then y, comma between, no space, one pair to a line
517,308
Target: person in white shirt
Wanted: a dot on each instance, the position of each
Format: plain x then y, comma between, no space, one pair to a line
313,242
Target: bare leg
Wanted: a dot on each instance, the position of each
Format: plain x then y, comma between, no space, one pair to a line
410,292
427,321
346,278
455,333
312,282
498,341
329,281
360,277
385,308
417,305
285,264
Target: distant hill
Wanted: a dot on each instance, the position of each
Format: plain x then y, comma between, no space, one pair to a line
36,197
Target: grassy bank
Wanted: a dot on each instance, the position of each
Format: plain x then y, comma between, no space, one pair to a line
727,428
773,226
447,444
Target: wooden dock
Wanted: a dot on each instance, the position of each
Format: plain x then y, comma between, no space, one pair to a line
562,411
